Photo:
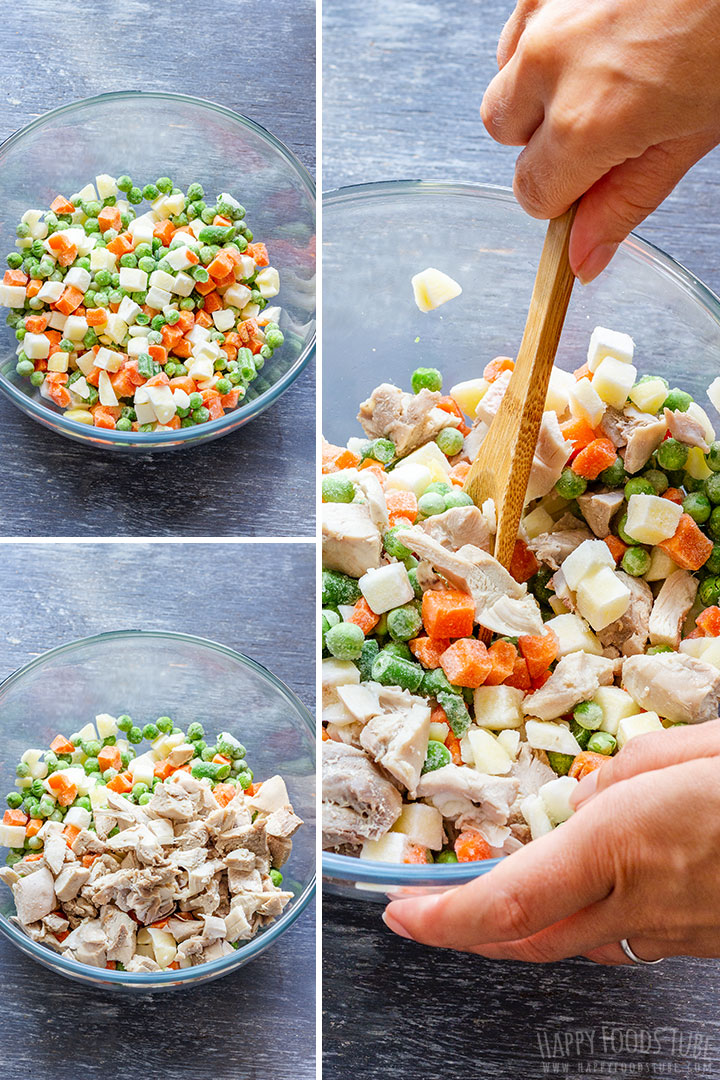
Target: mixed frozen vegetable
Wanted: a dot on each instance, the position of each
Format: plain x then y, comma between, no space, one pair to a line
141,321
145,861
440,747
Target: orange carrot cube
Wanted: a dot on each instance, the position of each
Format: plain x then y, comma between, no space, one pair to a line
466,663
429,650
592,459
539,651
503,655
449,613
689,547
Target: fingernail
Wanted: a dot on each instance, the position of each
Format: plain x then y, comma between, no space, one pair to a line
596,261
585,789
395,926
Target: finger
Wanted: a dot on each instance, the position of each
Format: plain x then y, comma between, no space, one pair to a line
514,29
551,879
656,750
648,949
620,200
512,107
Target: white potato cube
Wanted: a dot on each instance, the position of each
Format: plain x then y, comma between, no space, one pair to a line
250,311
498,707
546,735
537,521
36,346
604,342
157,298
200,367
116,328
12,836
162,280
268,282
133,279
198,335
393,847
616,704
181,398
81,388
33,759
696,464
651,519
106,186
421,824
158,944
57,320
438,731
88,193
143,407
78,278
713,393
337,673
182,285
99,797
180,258
102,259
602,597
78,816
432,287
613,381
142,768
586,403
106,393
128,310
105,723
698,413
76,328
649,396
237,296
556,796
587,557
360,702
431,456
661,565
224,319
163,402
87,732
413,478
386,588
57,362
50,291
469,394
639,724
107,359
534,811
489,755
574,635
557,399
706,649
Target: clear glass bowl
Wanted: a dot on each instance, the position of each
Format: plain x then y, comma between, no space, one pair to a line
147,135
375,237
149,674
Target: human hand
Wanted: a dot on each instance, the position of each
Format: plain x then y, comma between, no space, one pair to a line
613,100
640,859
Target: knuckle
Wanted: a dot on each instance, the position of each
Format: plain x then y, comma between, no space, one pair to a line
513,919
530,189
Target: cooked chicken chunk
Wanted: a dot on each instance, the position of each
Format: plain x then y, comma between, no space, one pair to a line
638,433
34,896
599,508
456,789
408,420
674,685
552,548
359,803
551,453
629,633
397,740
457,527
576,678
351,542
671,607
686,429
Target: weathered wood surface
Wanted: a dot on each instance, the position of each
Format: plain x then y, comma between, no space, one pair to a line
403,82
253,57
259,1022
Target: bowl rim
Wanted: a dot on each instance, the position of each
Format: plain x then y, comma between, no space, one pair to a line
347,868
157,980
238,416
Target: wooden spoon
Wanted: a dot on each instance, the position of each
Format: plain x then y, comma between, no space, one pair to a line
501,469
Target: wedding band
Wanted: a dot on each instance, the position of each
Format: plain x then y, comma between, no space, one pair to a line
633,956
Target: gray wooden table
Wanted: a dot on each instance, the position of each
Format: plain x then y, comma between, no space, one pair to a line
258,481
402,87
259,1022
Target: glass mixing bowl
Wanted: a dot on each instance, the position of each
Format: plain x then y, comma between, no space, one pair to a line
147,135
375,237
149,674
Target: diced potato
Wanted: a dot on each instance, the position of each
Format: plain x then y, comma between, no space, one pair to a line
106,725
469,394
337,673
421,824
546,735
392,847
432,287
696,464
649,396
616,705
142,768
431,456
273,795
537,521
705,649
12,836
602,598
586,403
661,565
360,702
336,715
78,816
651,519
613,381
162,945
489,756
631,726
557,399
510,741
88,733
698,413
80,416
558,606
535,813
439,731
162,746
498,707
413,478
58,362
713,393
99,797
587,557
556,796
33,759
604,342
386,588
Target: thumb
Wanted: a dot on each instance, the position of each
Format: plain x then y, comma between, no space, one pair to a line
657,750
625,196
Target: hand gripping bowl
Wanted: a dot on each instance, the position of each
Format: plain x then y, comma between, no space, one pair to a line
149,674
147,135
373,333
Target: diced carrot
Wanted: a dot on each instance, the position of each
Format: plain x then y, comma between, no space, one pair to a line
205,287
582,372
33,858
429,650
53,336
93,376
61,745
578,432
161,379
96,316
15,277
103,418
253,789
57,390
33,827
250,335
338,457
496,367
539,651
122,244
368,465
259,253
185,322
690,548
71,833
213,302
230,351
171,335
520,677
15,817
33,287
203,319
674,495
230,400
88,860
183,349
110,965
503,655
415,853
592,459
449,405
220,267
173,423
225,282
586,762
451,741
183,382
163,769
325,736
220,220
110,758
363,616
64,792
471,846
110,218
224,793
61,205
696,633
122,384
540,681
122,783
523,564
70,298
617,547
449,613
67,256
233,338
459,473
709,621
211,401
164,230
466,663
400,504
175,966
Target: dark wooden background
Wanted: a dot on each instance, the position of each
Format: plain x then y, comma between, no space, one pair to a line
252,56
403,81
255,1024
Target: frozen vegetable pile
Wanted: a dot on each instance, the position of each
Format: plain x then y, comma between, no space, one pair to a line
142,862
141,322
438,747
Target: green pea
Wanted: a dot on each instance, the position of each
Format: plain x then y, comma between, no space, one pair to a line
337,489
602,742
135,734
135,195
450,441
637,485
698,506
560,763
672,454
165,724
614,476
14,799
569,485
25,368
150,732
677,401
588,714
123,424
713,525
150,192
436,756
431,503
657,480
636,561
709,590
625,537
426,379
404,622
124,183
345,641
